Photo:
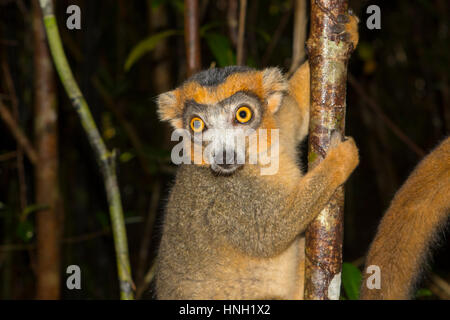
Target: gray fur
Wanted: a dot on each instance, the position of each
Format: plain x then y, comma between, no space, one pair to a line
215,76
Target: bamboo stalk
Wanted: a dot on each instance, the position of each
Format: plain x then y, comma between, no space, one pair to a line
105,158
328,57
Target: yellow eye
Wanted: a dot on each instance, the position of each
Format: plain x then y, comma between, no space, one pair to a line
197,124
243,114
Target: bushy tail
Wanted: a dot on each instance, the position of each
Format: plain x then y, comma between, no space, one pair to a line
410,226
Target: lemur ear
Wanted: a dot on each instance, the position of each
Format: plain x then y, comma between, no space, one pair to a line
169,109
275,87
299,85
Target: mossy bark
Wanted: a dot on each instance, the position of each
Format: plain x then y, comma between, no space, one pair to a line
329,52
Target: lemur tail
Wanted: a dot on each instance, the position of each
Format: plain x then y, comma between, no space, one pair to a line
409,227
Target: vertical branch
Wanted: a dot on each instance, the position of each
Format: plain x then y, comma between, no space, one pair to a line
233,21
328,57
298,45
48,221
192,36
241,34
277,34
162,78
15,108
105,158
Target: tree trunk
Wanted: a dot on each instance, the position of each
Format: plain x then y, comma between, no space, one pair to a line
328,57
48,221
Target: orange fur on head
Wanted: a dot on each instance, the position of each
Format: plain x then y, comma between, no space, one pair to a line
268,85
243,81
170,109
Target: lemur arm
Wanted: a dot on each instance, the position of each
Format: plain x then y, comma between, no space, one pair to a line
272,233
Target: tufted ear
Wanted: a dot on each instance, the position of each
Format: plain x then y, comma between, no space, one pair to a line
299,86
169,108
275,87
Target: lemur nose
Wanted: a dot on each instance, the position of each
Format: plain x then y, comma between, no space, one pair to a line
225,158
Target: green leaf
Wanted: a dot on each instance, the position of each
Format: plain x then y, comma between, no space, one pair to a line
126,156
351,280
146,46
25,230
178,5
156,3
423,293
206,27
103,218
365,51
264,35
220,47
32,208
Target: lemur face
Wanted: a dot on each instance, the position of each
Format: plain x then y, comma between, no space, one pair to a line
221,126
222,109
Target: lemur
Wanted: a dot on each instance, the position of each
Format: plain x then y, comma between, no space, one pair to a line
230,232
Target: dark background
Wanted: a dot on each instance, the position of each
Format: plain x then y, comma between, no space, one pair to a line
402,72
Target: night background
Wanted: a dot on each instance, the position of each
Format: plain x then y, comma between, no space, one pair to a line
128,52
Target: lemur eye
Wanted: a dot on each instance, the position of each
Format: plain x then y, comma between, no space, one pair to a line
197,124
243,114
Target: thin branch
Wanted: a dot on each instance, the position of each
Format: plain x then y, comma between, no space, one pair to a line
17,132
241,34
20,159
147,279
439,287
8,156
389,123
11,43
69,240
17,247
23,8
232,21
105,158
147,237
127,126
298,43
